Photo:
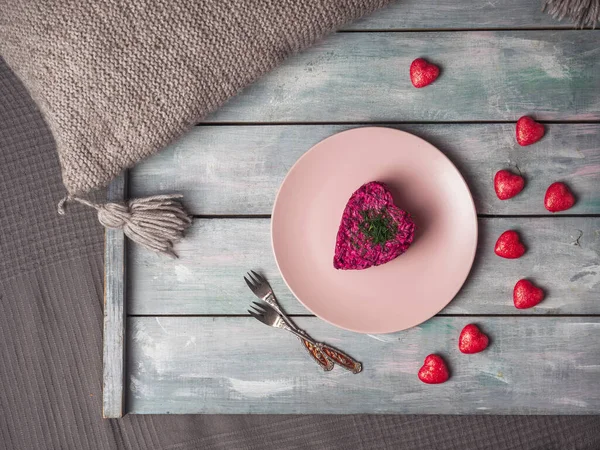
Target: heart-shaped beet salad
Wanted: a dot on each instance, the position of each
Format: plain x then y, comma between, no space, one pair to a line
373,230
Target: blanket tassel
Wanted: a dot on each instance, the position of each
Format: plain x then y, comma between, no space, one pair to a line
154,222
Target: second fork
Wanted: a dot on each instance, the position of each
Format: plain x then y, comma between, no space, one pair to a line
262,289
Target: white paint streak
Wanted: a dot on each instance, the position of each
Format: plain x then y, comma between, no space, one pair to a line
571,402
498,377
183,274
138,388
590,367
550,64
591,278
377,338
261,389
142,336
156,351
549,57
190,341
160,325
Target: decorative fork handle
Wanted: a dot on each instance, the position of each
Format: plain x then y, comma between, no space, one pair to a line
313,350
332,353
318,355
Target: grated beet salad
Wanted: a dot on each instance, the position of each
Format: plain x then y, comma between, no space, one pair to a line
373,230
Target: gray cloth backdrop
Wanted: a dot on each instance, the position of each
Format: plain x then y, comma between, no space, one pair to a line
51,278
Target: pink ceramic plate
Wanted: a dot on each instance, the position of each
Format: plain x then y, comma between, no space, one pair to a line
406,291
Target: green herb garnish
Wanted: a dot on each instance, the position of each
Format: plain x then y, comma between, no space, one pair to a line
378,226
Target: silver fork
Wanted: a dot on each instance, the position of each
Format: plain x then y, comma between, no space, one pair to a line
269,316
262,289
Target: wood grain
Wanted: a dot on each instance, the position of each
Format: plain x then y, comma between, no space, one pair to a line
207,278
113,378
486,76
238,169
541,365
450,14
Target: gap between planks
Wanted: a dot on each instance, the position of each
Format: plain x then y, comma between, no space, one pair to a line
385,123
480,216
312,315
561,27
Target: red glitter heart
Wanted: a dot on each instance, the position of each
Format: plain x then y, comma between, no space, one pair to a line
526,295
509,245
529,131
472,339
434,370
558,197
423,73
507,184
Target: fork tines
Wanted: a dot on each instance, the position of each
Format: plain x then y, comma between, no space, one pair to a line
250,284
258,277
254,280
257,309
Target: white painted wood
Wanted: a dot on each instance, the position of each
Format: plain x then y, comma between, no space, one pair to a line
238,169
486,76
452,14
113,378
541,365
207,277
535,365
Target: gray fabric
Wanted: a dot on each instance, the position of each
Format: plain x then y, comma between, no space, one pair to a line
118,80
51,351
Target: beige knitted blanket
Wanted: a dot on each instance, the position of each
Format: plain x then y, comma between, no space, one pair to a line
118,80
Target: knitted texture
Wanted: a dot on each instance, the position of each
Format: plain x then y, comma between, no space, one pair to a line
118,80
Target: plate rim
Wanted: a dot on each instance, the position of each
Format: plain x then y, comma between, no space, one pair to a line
473,251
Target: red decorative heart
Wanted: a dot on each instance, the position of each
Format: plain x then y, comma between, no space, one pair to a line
472,339
558,197
526,295
507,184
423,73
529,131
434,370
373,230
509,245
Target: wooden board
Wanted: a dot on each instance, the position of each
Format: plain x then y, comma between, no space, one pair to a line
542,361
236,170
486,76
464,14
113,380
539,365
563,257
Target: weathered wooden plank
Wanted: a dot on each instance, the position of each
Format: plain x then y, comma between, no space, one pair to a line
450,14
486,75
238,169
113,379
207,277
542,365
